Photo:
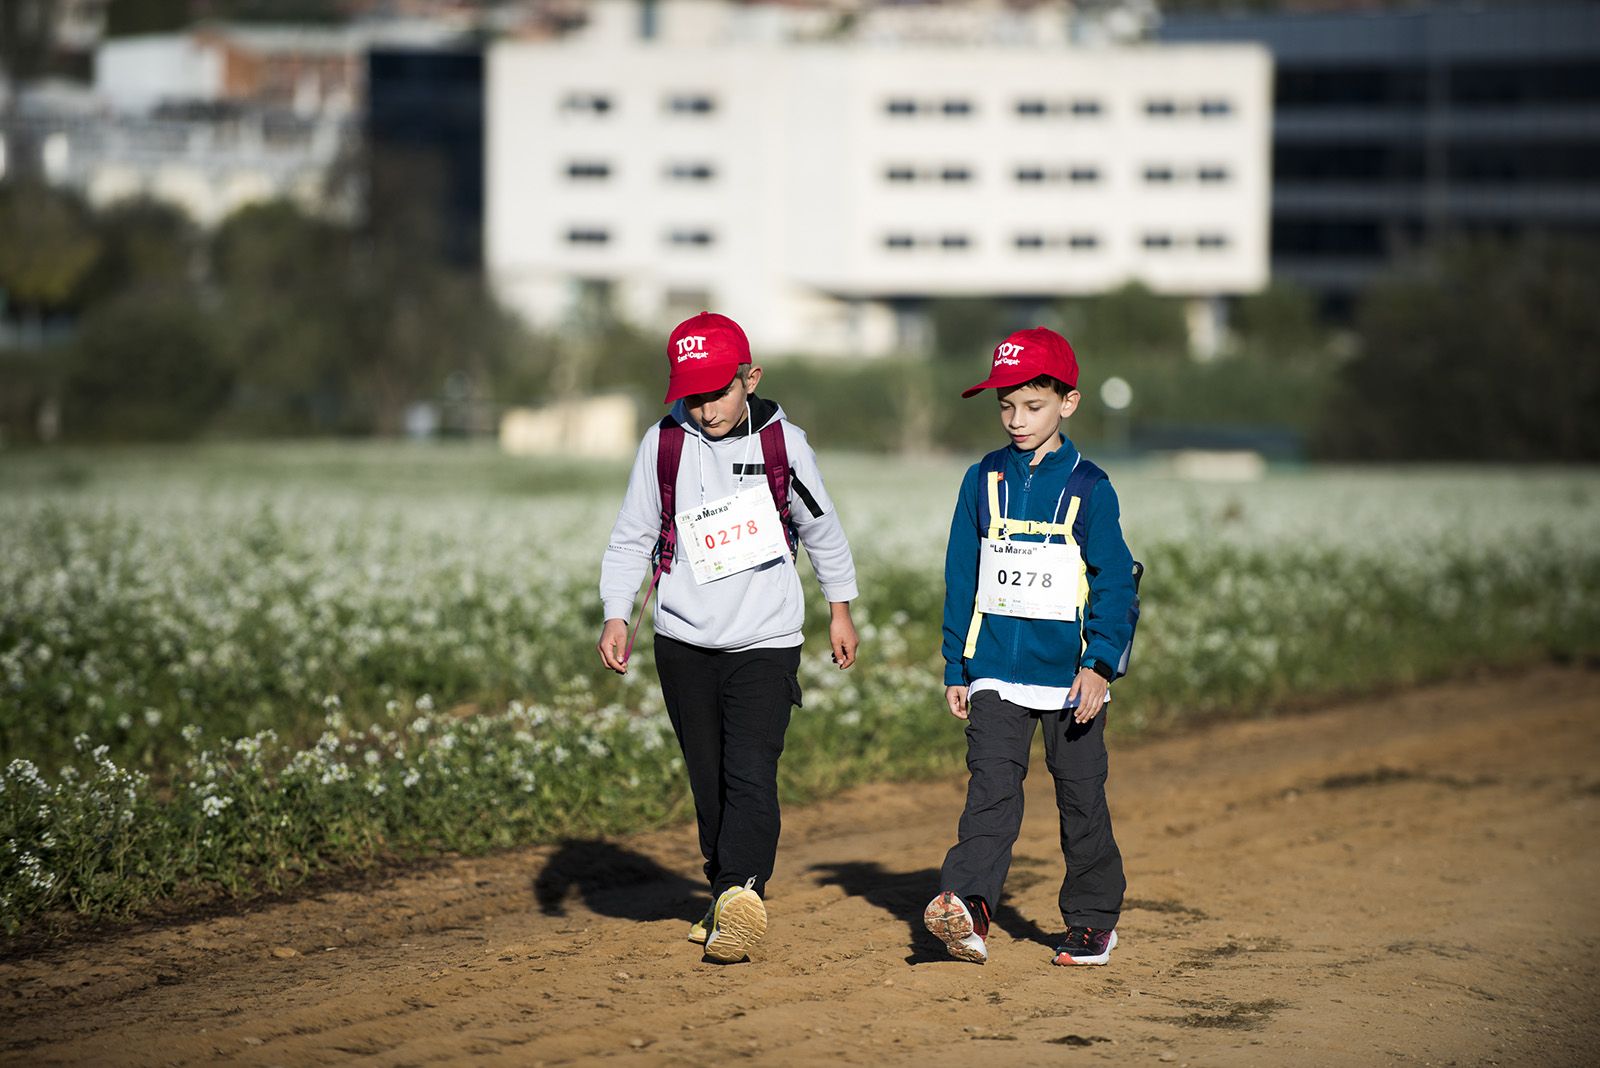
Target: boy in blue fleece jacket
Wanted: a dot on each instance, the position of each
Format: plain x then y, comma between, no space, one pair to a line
1038,589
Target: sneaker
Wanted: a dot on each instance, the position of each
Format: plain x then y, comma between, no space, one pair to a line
701,928
950,921
1086,945
738,920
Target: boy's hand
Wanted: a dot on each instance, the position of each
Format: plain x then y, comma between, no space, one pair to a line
613,641
1090,689
956,698
842,635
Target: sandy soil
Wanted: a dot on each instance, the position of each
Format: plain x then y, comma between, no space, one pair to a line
1405,880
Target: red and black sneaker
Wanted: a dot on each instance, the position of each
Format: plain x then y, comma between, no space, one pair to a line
1086,945
961,925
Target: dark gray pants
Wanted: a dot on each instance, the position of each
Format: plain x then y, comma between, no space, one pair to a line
999,735
730,712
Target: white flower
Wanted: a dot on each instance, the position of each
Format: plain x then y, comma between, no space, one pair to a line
213,806
412,777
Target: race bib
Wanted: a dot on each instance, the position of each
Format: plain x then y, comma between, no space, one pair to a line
730,535
1032,579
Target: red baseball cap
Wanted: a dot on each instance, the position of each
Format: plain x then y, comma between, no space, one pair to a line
703,354
1026,355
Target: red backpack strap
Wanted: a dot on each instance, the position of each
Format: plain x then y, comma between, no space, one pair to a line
775,458
669,451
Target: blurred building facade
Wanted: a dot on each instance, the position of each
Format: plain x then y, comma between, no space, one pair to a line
811,177
1395,129
425,131
217,117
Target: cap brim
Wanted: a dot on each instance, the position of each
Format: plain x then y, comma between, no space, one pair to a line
1000,380
699,380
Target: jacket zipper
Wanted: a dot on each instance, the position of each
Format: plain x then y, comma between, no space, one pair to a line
1016,630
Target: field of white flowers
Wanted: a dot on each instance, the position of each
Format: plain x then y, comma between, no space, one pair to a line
225,670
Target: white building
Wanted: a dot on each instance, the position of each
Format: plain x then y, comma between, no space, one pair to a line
808,187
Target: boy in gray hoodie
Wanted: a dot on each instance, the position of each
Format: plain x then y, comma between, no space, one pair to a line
724,488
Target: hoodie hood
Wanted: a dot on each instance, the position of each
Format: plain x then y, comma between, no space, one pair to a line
762,412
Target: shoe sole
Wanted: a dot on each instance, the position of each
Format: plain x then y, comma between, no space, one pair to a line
740,926
947,921
698,935
1067,960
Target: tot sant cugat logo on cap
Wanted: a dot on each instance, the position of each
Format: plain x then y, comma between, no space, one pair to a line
692,347
1006,355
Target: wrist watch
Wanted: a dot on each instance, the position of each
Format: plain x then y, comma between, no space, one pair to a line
1099,668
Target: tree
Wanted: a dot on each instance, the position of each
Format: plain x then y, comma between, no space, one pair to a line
1128,321
1280,321
47,246
146,366
968,328
27,47
1483,350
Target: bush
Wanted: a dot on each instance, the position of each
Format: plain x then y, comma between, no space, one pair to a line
147,367
1483,350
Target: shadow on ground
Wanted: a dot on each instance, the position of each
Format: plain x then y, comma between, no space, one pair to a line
615,881
906,894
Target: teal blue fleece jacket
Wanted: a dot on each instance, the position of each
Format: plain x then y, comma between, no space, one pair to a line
1036,652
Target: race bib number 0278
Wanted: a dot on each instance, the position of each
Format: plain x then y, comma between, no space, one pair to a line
1032,579
730,535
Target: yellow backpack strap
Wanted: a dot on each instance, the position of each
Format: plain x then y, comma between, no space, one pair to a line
972,634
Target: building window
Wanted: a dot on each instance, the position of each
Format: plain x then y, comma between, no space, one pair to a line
1158,175
1214,242
588,170
1215,108
901,174
957,107
691,172
1085,108
956,174
588,235
691,238
691,104
578,103
955,241
1160,108
1080,174
1212,175
1032,109
1157,241
899,241
1078,242
901,106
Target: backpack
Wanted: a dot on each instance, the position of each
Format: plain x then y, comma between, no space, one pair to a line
1080,483
774,460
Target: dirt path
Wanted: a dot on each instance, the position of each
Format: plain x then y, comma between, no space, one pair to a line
1408,880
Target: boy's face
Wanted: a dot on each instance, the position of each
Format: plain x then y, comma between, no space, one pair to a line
721,411
1032,414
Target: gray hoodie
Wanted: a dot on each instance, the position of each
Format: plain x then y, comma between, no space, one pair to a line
754,609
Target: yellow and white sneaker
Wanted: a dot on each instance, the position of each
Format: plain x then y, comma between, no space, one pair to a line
700,930
738,921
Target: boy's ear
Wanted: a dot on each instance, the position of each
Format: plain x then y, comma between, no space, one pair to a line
1069,403
752,377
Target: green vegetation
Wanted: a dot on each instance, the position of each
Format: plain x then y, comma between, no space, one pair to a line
223,671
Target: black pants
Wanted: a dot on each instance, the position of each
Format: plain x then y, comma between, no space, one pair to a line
999,735
730,711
